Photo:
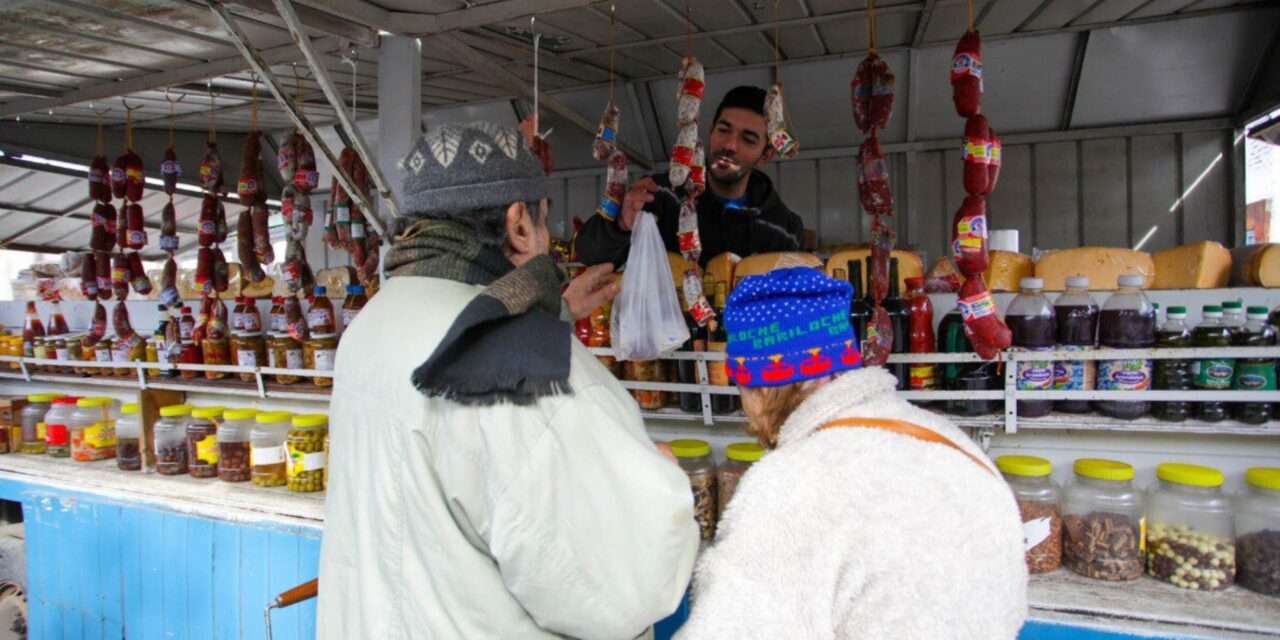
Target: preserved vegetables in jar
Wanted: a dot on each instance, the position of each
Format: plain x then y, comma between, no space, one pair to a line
306,461
234,446
129,438
93,430
250,350
33,424
103,355
171,440
267,452
216,351
284,353
202,441
319,353
58,427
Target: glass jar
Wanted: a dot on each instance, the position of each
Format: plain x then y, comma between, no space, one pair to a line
93,430
1039,503
319,353
1190,532
40,351
215,351
88,353
694,457
57,427
129,438
1258,532
154,349
233,444
1102,522
285,353
125,351
739,457
74,354
190,354
60,353
102,354
202,441
33,424
267,453
646,371
170,433
306,460
249,350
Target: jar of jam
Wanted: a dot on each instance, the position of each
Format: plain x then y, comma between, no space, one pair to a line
75,353
285,353
171,440
276,318
125,351
190,355
249,350
102,354
61,354
153,356
216,351
307,459
93,430
319,353
202,441
233,444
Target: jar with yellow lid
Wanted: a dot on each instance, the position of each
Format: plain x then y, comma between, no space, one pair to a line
58,427
284,352
170,433
1258,532
1102,521
307,460
129,438
32,420
249,350
1190,529
739,457
1039,504
233,444
319,354
202,441
694,458
267,452
93,430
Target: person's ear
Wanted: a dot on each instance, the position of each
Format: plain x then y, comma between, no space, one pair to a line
766,157
520,232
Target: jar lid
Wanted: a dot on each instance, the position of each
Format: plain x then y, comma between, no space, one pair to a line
129,408
240,414
1257,312
690,448
66,400
175,410
272,417
1264,477
310,420
207,413
1100,469
43,397
744,451
1177,311
1024,466
92,403
1212,308
1192,475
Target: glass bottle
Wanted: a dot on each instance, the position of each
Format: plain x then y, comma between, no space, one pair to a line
1212,374
352,305
859,309
32,328
57,322
320,317
900,317
718,341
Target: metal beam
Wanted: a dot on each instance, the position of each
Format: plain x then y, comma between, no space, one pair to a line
357,11
63,53
1250,91
1073,83
317,21
476,16
922,23
503,46
100,12
45,27
100,91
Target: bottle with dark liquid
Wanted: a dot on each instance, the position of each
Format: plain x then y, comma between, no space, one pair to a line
900,317
718,340
958,376
32,328
687,370
859,309
1233,316
57,322
1030,319
1076,316
1173,375
1212,374
1254,374
1128,321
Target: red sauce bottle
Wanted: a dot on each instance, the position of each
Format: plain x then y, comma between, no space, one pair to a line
922,338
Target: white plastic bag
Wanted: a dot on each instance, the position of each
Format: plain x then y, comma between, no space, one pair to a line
647,320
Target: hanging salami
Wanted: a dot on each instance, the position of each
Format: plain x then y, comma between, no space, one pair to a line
780,137
874,190
170,170
966,75
605,144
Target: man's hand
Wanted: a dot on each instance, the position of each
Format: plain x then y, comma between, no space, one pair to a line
665,450
592,288
640,194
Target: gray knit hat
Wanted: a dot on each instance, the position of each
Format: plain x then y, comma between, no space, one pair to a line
472,166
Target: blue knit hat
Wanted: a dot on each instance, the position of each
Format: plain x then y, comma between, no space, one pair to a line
787,326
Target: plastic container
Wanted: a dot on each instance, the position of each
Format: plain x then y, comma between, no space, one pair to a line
1212,374
694,457
1127,321
129,438
170,433
267,453
739,457
1039,502
1076,318
1102,521
307,459
1173,375
233,444
1190,529
1030,319
58,427
1258,531
202,441
1233,316
93,430
1254,374
33,425
319,354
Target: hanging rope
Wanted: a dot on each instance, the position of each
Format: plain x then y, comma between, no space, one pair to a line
128,123
355,61
253,105
613,20
777,59
871,25
101,149
213,132
970,15
537,40
688,36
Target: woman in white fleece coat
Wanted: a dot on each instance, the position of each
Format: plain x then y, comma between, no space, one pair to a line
850,532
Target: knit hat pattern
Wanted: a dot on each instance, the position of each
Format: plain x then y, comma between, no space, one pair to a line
480,165
787,326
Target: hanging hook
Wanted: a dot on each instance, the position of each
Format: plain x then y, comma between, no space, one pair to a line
100,112
128,108
352,59
171,101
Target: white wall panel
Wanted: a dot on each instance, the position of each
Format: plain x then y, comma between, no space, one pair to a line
798,186
1010,206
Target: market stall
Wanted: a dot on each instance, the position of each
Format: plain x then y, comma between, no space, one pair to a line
243,162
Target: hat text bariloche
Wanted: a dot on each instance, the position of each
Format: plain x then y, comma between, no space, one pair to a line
772,334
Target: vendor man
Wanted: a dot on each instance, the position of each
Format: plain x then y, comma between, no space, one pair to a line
740,212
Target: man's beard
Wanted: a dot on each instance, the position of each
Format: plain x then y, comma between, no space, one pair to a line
728,177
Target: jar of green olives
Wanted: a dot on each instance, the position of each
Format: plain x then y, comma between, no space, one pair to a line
307,458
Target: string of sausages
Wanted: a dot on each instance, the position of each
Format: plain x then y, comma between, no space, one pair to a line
345,225
688,170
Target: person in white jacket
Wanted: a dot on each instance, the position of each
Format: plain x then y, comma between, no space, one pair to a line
490,478
862,522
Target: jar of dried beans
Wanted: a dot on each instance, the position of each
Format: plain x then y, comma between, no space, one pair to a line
1102,521
1258,532
233,444
1190,531
171,440
1038,502
267,453
739,457
129,438
694,457
202,441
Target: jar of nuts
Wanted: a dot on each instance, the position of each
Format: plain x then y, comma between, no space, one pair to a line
233,444
171,440
1102,521
267,452
694,457
202,441
1190,531
1258,532
307,459
739,457
1038,502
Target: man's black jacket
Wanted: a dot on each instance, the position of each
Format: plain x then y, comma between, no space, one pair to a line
765,225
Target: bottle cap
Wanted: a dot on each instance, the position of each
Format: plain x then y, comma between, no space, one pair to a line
1177,311
186,309
1024,466
355,289
1212,308
1263,477
1078,282
129,408
1260,312
175,410
1031,283
1101,469
320,291
310,420
271,417
207,413
1132,281
1232,305
1192,475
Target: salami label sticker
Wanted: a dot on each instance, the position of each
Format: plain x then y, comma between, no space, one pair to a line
971,234
966,64
170,168
976,151
976,307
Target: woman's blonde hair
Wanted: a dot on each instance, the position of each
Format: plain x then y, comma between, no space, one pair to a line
776,404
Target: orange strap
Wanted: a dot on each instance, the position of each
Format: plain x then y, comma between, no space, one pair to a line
905,428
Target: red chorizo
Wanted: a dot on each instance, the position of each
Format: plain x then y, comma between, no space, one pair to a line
100,179
204,270
169,294
250,268
982,323
119,179
170,170
169,228
135,176
977,158
120,275
969,236
221,271
89,277
102,271
208,230
137,232
211,170
122,228
250,169
966,75
98,327
139,279
259,216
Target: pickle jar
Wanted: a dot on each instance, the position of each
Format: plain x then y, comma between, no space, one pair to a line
250,350
1039,505
233,444
75,353
1102,521
267,453
93,430
88,353
285,353
739,457
1258,532
58,427
153,356
170,433
33,424
215,351
1190,530
306,461
694,458
102,354
129,438
319,353
202,441
58,351
40,351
